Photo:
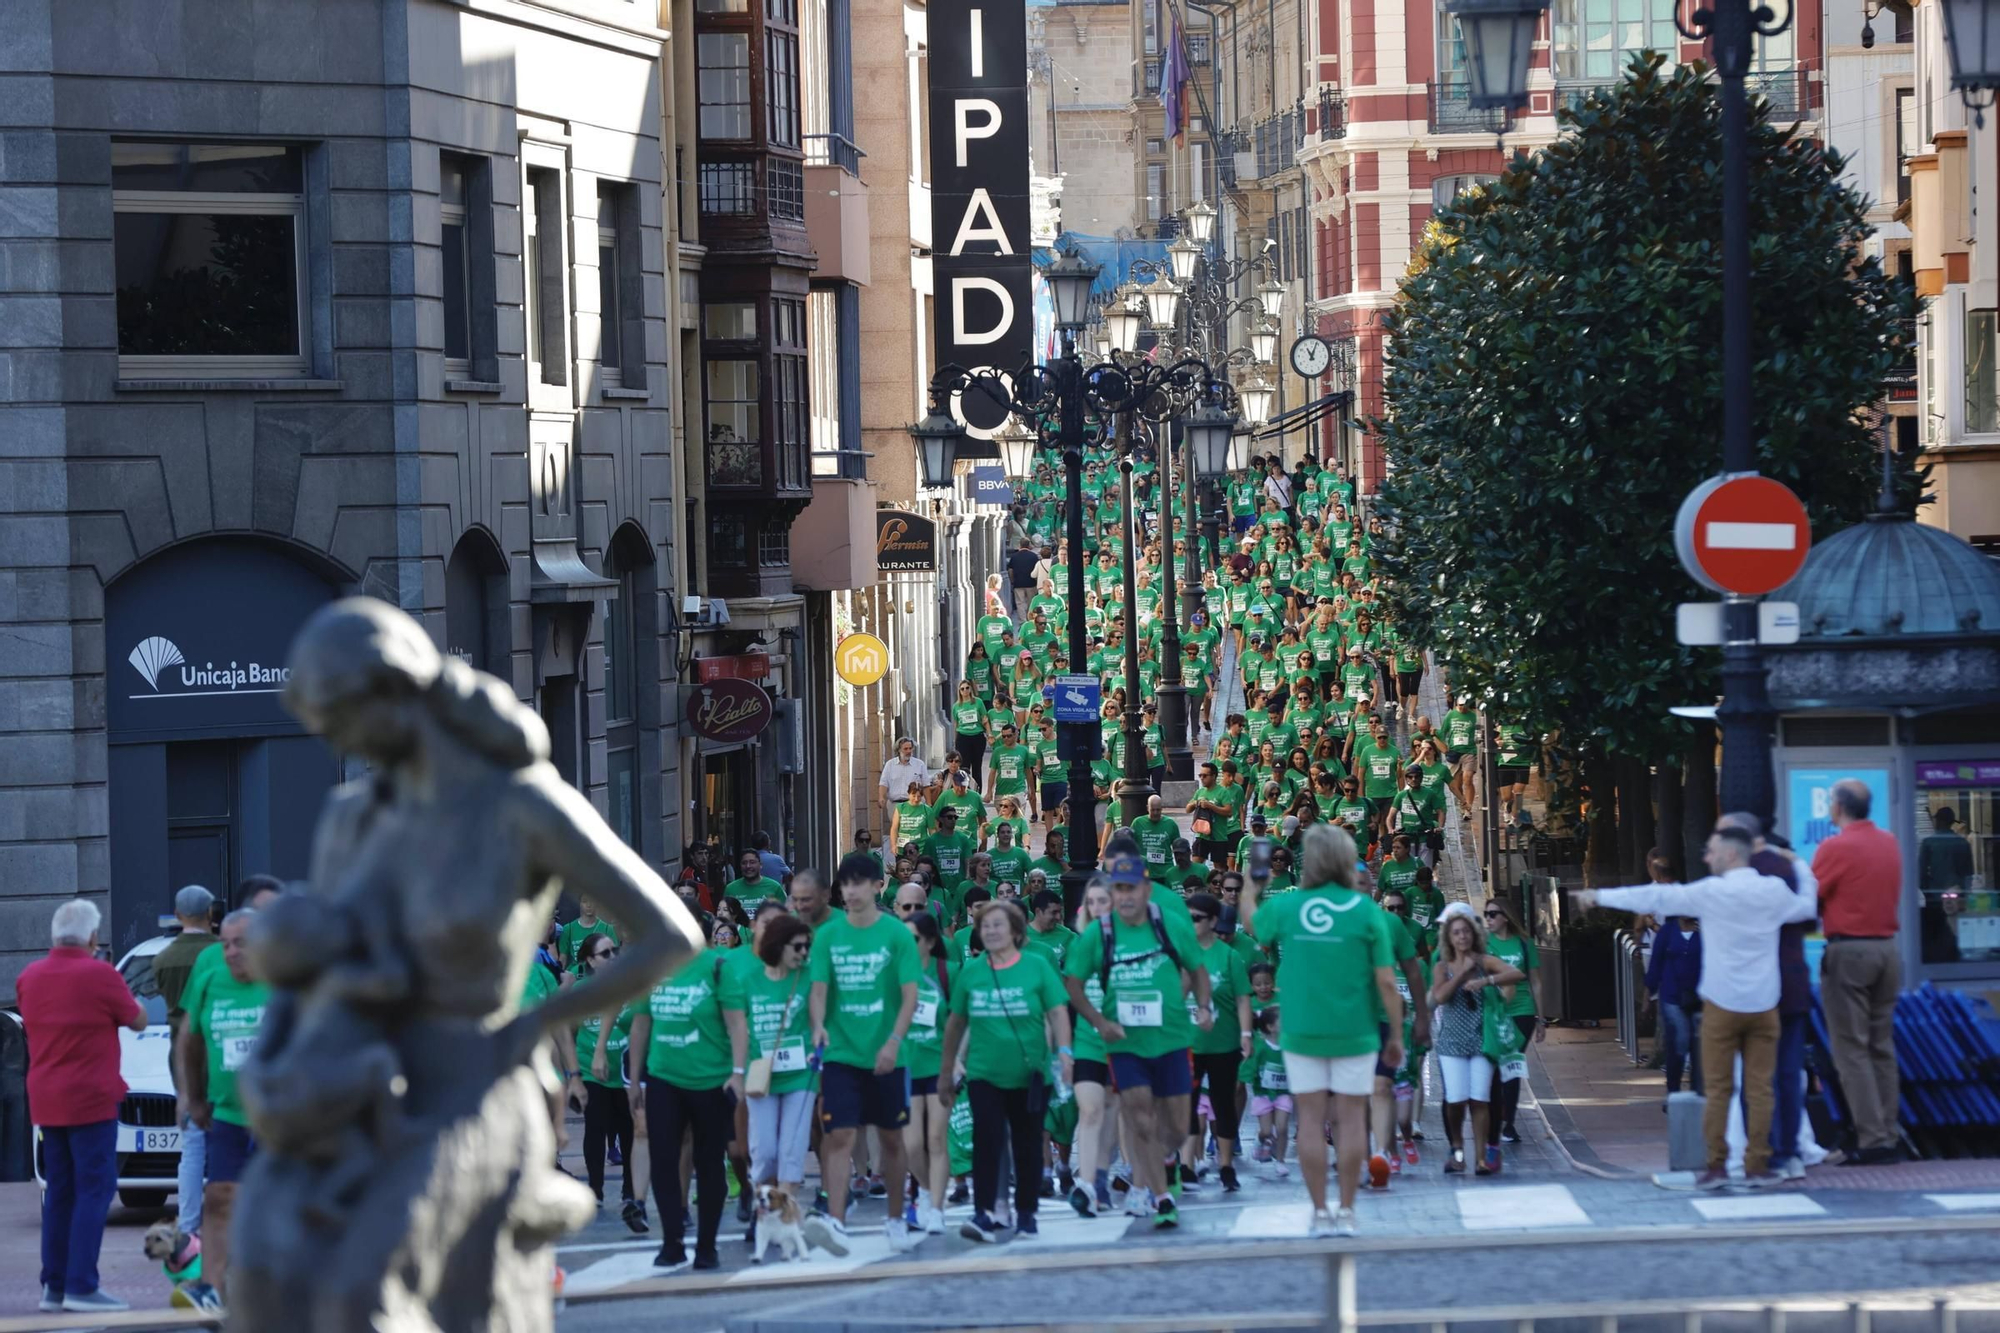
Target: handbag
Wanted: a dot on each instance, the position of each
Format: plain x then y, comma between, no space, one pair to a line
757,1077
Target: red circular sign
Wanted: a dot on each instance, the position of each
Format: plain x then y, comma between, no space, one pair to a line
1746,535
729,709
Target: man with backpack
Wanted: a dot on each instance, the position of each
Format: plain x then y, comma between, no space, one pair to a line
1148,1025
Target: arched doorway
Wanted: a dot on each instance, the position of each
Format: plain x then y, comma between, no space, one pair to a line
210,779
476,605
631,694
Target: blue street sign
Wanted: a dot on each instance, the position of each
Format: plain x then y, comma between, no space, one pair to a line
1077,698
989,485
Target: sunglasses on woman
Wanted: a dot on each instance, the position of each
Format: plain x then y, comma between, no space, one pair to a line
605,953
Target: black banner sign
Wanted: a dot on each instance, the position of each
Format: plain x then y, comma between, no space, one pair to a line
905,543
981,254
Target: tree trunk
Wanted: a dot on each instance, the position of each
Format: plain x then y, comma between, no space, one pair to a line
1635,818
1600,857
1697,797
1666,833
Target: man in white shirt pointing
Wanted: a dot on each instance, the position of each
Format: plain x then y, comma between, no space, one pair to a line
1741,912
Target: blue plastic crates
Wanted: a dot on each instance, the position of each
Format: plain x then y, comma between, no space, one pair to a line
1948,1054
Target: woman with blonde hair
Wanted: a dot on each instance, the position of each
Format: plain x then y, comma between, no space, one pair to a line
1463,972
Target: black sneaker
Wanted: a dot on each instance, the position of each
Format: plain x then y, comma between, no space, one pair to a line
1227,1175
876,1188
979,1227
1508,1134
672,1255
744,1208
1048,1187
634,1214
1166,1214
707,1259
1188,1176
959,1193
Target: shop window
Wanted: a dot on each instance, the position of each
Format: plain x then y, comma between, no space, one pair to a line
1956,861
208,246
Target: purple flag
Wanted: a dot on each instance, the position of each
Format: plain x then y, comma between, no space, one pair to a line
1174,76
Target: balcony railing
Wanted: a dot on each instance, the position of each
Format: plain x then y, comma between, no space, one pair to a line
1452,112
1784,89
1332,115
1278,141
833,150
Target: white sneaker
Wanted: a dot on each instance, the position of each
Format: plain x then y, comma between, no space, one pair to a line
1321,1225
897,1232
933,1219
1344,1222
1139,1203
1279,1171
826,1232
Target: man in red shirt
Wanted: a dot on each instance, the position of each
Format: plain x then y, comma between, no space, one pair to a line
72,1006
1860,873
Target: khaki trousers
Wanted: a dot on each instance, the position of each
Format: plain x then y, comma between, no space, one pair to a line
1858,982
1726,1034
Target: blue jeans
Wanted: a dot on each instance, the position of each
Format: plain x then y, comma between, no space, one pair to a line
1788,1082
194,1164
80,1164
1679,1030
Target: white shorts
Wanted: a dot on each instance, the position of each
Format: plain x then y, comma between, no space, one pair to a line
1347,1075
1466,1077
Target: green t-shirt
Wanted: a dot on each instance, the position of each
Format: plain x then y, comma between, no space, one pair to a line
865,970
1230,798
1264,1071
1156,844
1052,868
1228,977
1399,877
953,854
1378,768
1010,866
1144,989
923,1045
1057,942
1415,811
1329,943
990,628
968,718
1354,814
227,1015
587,1034
536,987
780,1022
913,823
573,935
1357,681
1013,766
750,892
689,1046
1003,1012
1461,730
1521,952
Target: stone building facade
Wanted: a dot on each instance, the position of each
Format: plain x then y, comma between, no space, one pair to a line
298,301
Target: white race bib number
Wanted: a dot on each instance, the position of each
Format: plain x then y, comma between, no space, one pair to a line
925,1014
1275,1079
1513,1067
1143,1009
789,1058
1403,986
236,1051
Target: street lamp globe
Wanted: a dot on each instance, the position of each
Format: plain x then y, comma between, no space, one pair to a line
1272,294
1256,396
1264,342
1499,36
1017,449
1239,447
1070,279
1184,255
1972,43
938,437
1164,301
1210,429
1125,321
1200,221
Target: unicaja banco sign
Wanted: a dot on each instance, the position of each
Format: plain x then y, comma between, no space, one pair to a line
167,672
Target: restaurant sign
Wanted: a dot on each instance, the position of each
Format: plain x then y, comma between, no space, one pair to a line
729,709
905,543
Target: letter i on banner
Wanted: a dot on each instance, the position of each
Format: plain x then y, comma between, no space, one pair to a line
983,266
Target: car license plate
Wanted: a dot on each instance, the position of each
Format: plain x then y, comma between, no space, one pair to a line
132,1138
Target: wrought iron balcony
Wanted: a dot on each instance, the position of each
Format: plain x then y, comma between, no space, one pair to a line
1785,90
1332,114
1452,112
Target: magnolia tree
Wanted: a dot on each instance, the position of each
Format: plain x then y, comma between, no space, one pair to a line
1554,389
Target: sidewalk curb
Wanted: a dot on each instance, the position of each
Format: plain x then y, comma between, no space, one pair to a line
1568,1139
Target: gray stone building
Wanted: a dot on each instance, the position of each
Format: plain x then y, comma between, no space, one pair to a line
301,298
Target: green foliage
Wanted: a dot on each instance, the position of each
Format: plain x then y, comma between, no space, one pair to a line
1554,389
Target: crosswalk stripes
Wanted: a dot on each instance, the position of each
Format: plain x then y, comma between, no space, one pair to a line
1756,1207
1520,1208
1959,1203
1271,1221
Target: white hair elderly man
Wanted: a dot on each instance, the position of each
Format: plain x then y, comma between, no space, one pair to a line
72,1005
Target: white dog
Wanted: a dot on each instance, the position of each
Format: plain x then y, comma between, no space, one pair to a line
779,1222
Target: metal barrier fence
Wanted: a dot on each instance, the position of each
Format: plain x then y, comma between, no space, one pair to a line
1628,970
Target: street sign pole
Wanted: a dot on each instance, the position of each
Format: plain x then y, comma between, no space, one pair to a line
1745,715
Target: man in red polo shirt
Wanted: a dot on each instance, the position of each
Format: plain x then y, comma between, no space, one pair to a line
1860,873
72,1006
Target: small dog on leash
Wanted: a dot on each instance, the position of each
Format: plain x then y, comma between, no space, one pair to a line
780,1222
179,1257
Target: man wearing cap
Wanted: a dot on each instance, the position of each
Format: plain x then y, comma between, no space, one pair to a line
897,775
960,795
863,971
1147,1024
1010,770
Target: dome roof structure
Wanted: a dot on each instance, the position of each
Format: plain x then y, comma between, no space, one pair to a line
1892,577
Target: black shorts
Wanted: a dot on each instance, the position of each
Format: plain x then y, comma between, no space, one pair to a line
1408,681
851,1096
1382,1070
1511,774
1090,1071
924,1087
230,1148
1053,795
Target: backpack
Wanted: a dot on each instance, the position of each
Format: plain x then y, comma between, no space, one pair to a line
1108,933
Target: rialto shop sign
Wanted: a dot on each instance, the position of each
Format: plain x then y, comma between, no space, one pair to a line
982,261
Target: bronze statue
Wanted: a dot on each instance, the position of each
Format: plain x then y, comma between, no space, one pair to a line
406,1171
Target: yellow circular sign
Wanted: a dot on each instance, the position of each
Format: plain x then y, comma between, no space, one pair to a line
861,660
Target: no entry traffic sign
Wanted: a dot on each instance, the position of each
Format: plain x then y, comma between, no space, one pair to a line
1747,535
